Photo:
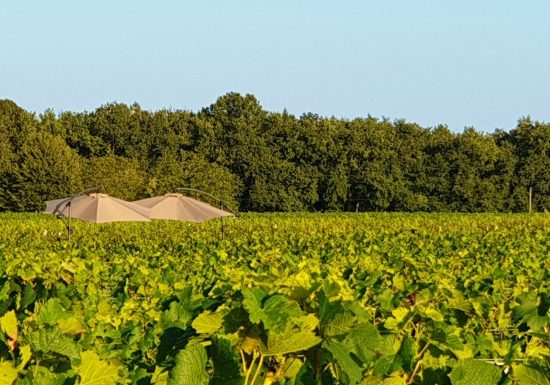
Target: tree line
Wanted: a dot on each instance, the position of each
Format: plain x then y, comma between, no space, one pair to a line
270,161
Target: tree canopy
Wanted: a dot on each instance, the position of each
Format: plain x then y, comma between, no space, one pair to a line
270,161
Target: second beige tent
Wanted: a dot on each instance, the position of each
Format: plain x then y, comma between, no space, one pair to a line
181,208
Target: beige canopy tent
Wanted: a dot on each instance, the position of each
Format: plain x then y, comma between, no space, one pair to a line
97,208
53,205
179,207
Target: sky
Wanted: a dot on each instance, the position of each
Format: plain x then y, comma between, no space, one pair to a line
482,64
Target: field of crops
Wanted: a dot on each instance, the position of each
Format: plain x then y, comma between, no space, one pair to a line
283,299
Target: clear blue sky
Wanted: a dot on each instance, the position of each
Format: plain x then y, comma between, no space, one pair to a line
481,63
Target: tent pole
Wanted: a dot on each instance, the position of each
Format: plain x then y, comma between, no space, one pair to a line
223,226
69,227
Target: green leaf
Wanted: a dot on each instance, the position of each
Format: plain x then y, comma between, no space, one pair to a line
443,340
531,374
473,372
71,325
177,315
327,311
8,323
340,324
42,376
28,297
25,353
252,302
277,312
400,315
366,343
341,354
380,380
407,354
160,376
94,371
290,341
207,322
387,364
8,374
534,310
190,368
52,341
432,314
226,363
52,312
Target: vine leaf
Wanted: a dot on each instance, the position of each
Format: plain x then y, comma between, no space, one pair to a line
190,368
94,371
473,372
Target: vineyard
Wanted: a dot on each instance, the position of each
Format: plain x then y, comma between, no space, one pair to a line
281,299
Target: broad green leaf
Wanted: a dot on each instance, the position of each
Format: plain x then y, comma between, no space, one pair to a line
177,315
94,371
53,341
327,311
537,349
457,300
28,297
226,363
444,340
71,325
252,302
292,367
160,376
531,374
275,312
474,372
278,311
351,369
534,310
306,322
190,368
52,312
340,324
380,380
407,354
399,316
432,314
297,286
366,343
387,364
8,374
8,323
207,322
291,341
42,376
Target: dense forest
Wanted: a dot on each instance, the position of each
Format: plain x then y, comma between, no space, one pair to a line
270,161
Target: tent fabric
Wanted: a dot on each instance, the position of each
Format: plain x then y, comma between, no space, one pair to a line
181,208
100,208
53,205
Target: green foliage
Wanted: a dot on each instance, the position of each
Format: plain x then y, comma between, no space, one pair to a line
262,161
8,374
48,169
472,372
533,374
114,175
95,371
190,368
283,299
191,170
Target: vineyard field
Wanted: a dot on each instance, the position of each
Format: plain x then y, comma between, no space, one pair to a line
280,299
